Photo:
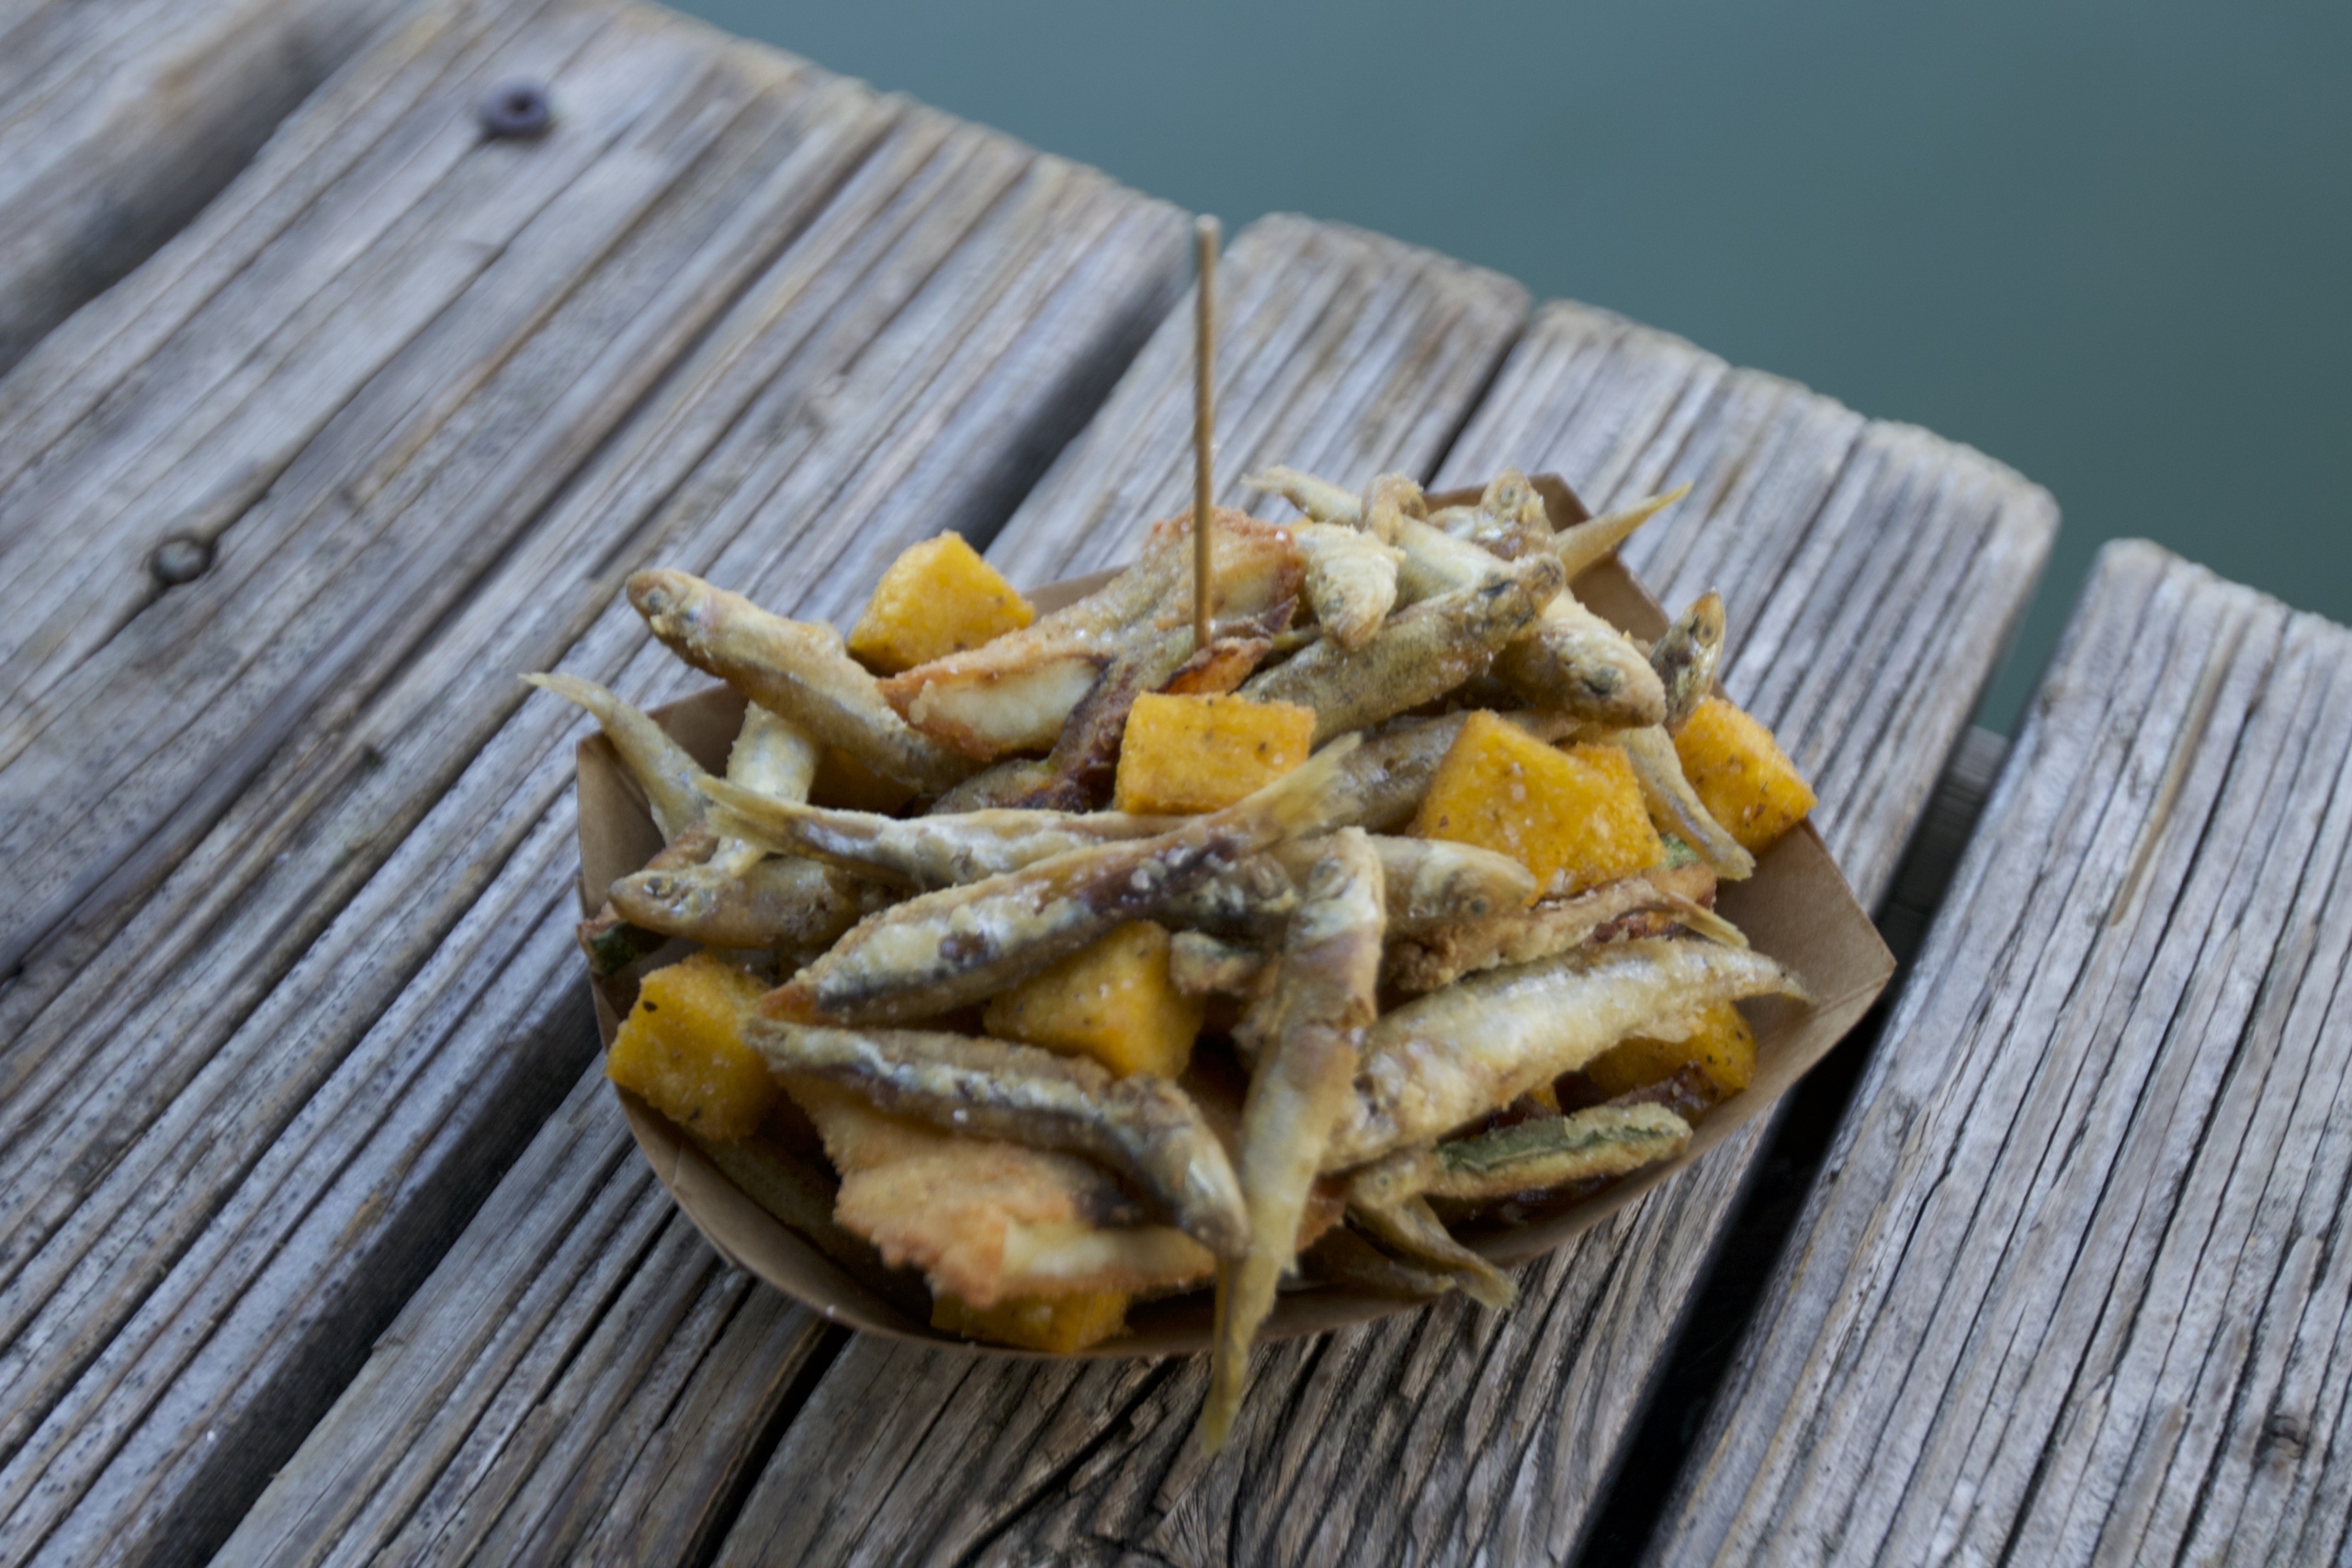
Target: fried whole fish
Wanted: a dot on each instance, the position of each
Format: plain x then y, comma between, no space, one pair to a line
959,945
791,904
1569,661
1308,1030
1420,654
1441,1059
922,853
1441,952
797,670
1685,658
1144,1126
1675,807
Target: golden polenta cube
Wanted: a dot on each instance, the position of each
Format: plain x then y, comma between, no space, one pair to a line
681,1049
1057,1323
1571,814
1113,1001
1717,1042
1741,776
938,598
1200,753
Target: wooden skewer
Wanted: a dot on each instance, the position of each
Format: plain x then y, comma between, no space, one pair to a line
1205,240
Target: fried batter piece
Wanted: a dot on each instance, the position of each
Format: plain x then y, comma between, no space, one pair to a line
985,1219
1441,953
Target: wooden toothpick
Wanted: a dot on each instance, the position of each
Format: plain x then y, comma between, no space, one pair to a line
1204,239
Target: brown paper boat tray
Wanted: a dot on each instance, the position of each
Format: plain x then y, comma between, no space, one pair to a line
1797,909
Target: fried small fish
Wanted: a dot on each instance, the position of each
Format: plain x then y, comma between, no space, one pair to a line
1412,1229
1585,545
1319,498
1441,1059
1420,654
777,903
1685,658
1307,1031
959,945
922,853
1675,807
1143,1127
799,670
1442,951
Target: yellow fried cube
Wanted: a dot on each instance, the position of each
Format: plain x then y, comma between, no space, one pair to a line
1113,1001
1718,1041
1573,816
938,597
1199,753
1744,779
681,1049
1058,1324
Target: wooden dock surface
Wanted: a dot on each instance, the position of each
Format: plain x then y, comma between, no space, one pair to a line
321,1237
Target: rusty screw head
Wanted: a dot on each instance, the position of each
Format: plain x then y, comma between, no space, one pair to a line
182,557
516,109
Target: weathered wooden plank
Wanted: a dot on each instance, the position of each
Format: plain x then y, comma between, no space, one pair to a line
2067,1290
1338,350
443,1394
1452,1435
248,1108
119,121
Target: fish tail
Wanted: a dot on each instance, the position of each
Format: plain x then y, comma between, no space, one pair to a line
600,702
1586,543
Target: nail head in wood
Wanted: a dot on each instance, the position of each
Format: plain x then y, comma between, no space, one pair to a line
516,110
182,557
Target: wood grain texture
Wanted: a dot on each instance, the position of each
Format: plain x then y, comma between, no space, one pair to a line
2068,1289
1339,351
253,1093
1872,573
327,1506
119,121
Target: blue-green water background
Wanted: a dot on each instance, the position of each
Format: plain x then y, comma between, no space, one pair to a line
2105,243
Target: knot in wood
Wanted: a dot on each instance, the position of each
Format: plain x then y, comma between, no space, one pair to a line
182,557
515,109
